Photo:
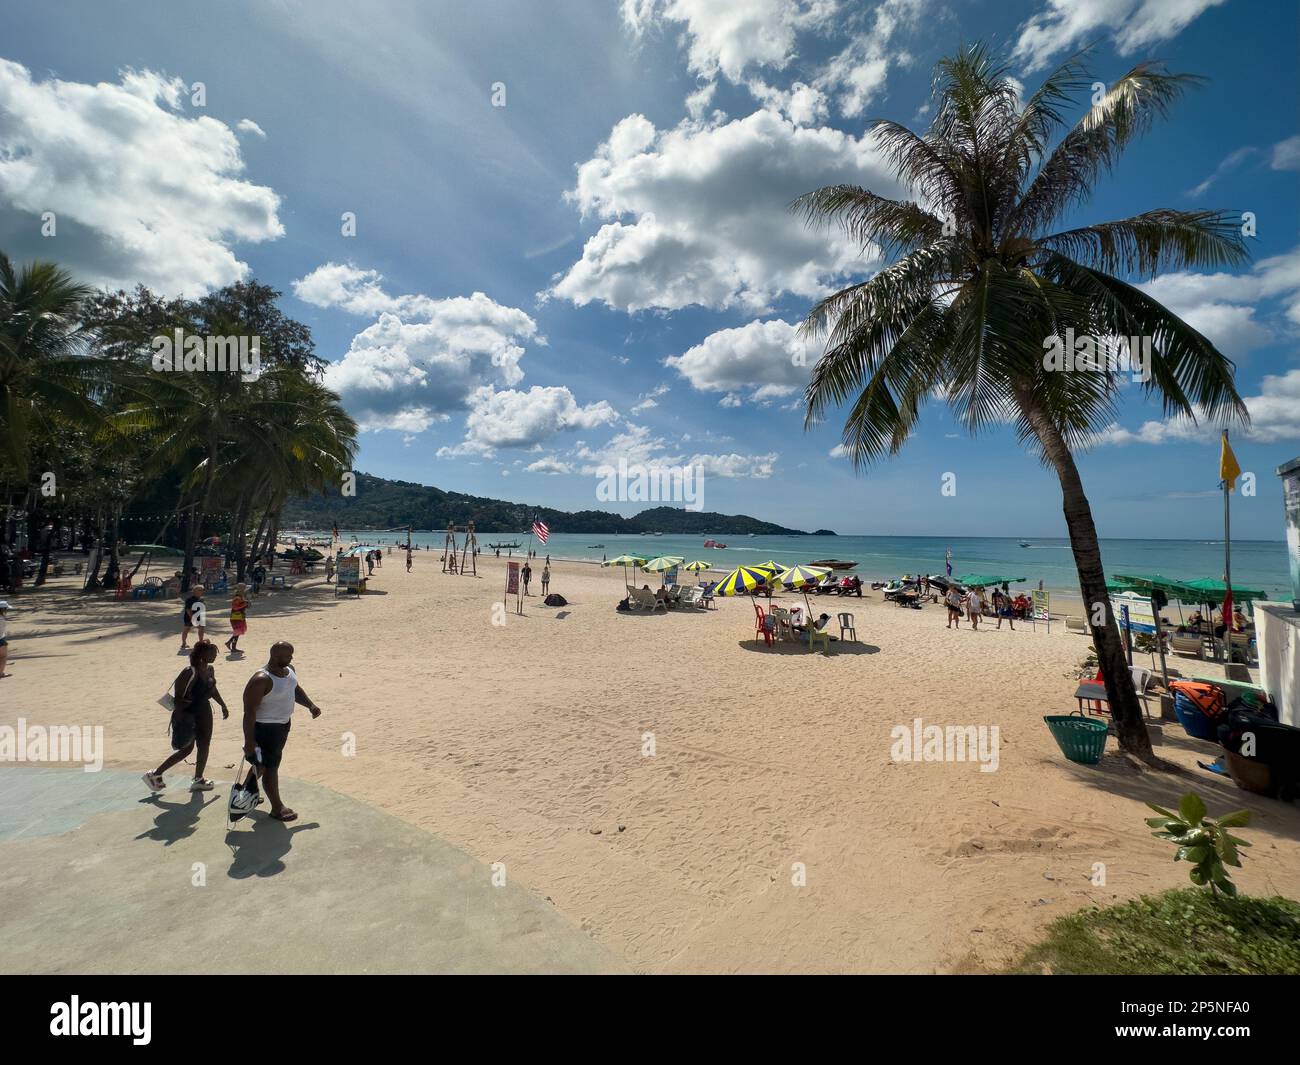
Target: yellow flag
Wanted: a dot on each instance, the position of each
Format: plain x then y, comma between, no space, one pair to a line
1229,471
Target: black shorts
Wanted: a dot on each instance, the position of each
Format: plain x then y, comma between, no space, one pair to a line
271,739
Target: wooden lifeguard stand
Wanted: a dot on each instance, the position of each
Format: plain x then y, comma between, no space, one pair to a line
468,550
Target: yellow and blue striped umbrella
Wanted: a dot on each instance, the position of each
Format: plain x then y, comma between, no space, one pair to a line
695,567
802,576
743,580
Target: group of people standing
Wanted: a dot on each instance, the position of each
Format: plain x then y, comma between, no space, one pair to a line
972,602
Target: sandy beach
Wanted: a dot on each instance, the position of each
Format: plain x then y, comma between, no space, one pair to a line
769,830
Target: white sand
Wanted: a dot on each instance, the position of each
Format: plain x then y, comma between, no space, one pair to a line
522,742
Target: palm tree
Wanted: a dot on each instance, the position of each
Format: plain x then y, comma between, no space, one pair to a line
980,281
43,374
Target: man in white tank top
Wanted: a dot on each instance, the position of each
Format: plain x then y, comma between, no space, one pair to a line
269,699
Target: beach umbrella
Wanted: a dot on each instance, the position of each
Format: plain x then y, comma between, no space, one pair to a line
773,568
663,563
695,567
801,577
985,580
1213,591
625,560
743,580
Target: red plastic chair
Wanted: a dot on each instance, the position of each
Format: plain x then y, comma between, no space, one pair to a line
761,628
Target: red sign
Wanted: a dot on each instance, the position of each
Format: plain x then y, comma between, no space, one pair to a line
512,578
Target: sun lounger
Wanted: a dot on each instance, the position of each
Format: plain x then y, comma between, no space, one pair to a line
642,599
1076,625
1186,644
692,597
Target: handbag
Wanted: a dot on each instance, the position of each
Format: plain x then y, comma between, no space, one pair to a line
168,700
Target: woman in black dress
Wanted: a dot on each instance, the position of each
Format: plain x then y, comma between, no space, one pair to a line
193,690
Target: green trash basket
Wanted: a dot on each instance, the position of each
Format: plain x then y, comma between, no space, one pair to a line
1080,740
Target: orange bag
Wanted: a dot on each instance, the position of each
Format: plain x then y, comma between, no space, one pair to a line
1207,698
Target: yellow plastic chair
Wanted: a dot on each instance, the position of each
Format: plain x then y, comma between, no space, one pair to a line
815,634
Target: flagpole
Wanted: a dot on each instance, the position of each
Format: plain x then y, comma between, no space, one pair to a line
1226,606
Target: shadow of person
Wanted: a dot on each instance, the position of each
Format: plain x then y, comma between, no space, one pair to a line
176,820
259,852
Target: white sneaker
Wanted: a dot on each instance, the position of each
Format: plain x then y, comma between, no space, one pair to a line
201,784
155,782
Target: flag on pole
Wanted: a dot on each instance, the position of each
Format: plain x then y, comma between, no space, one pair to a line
1229,471
947,560
541,530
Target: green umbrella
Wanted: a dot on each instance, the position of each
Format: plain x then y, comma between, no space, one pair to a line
1213,591
1146,583
625,560
989,579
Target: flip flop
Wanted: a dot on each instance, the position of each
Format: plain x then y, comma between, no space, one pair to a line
285,815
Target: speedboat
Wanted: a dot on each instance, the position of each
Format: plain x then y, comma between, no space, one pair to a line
833,563
1025,543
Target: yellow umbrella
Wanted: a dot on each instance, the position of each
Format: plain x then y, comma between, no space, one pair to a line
801,577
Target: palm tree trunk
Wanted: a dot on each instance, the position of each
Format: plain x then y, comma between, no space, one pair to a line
1126,710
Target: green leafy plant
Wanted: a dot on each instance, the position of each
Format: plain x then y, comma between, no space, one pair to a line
1204,842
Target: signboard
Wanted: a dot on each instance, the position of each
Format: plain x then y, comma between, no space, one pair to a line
210,569
1042,602
1290,474
1137,608
349,573
512,586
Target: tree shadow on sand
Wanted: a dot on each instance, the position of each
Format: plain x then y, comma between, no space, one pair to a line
1119,776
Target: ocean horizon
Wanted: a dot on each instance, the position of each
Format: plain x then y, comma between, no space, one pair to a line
1255,563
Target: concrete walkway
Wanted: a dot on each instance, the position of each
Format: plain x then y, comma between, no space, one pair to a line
96,876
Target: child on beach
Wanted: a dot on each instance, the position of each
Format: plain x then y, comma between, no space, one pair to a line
193,615
238,619
4,637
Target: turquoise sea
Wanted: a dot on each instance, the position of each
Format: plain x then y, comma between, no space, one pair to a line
1255,563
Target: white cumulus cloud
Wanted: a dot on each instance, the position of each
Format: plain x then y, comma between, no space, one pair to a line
699,214
764,359
141,192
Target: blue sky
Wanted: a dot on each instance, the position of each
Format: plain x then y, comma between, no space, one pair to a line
602,267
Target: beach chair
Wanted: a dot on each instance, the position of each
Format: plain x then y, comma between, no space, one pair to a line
761,627
814,635
781,622
1141,678
646,600
706,594
221,584
1187,644
846,625
693,597
152,588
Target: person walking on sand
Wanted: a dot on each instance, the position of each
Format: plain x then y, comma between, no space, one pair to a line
408,562
527,574
973,607
269,699
238,618
546,577
193,615
953,600
191,726
329,569
4,637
